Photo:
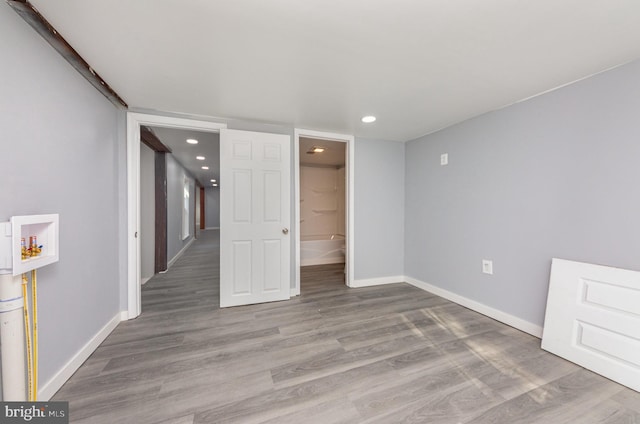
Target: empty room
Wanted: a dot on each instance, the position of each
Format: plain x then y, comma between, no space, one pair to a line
322,212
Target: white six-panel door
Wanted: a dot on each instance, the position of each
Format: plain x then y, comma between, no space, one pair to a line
255,176
593,319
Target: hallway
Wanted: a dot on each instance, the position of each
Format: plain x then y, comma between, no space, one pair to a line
382,354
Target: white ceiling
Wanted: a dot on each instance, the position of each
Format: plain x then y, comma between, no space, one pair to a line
208,146
322,64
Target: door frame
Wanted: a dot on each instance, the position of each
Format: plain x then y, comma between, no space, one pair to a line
349,209
134,121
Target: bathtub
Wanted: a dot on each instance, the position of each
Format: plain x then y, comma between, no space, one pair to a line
320,250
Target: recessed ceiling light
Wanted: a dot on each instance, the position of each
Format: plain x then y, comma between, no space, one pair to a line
315,149
215,185
205,167
192,141
368,119
213,181
200,157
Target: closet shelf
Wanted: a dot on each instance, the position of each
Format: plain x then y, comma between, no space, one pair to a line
324,210
324,190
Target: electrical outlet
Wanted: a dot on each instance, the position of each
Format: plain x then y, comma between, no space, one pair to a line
487,266
444,159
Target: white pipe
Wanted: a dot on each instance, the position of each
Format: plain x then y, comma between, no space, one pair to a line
12,337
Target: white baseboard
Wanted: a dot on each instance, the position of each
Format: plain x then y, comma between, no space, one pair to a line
212,228
321,261
180,253
124,315
50,388
510,320
144,281
366,282
295,292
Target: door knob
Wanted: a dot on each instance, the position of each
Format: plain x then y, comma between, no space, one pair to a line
285,231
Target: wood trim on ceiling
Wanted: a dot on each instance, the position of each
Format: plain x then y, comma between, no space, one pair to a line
161,212
202,210
150,139
39,23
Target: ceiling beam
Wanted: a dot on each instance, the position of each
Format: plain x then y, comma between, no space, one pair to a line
38,22
160,212
150,139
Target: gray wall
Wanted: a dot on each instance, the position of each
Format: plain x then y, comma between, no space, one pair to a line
212,207
379,208
59,153
175,182
147,212
123,223
555,176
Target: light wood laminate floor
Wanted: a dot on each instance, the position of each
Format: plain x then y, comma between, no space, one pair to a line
384,354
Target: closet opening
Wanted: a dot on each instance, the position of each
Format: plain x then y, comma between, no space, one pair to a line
323,208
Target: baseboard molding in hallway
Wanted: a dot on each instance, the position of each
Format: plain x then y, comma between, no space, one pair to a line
181,252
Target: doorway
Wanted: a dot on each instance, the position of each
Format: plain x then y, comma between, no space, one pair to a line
323,202
134,123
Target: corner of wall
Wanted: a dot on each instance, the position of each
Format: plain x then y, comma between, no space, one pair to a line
54,384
